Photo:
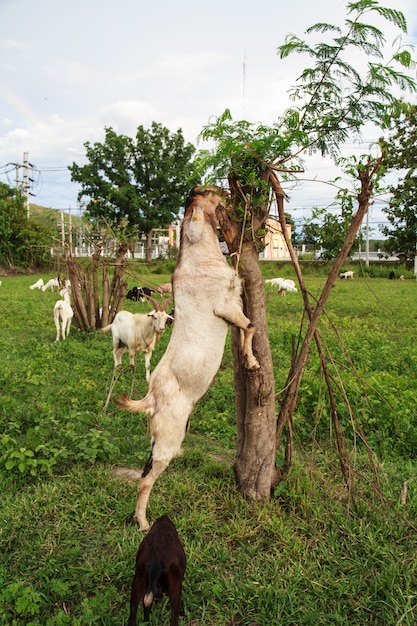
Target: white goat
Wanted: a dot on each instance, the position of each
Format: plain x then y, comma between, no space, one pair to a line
37,285
164,288
137,332
51,284
207,297
284,284
63,314
346,275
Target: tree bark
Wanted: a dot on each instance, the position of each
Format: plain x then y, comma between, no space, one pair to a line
148,251
254,466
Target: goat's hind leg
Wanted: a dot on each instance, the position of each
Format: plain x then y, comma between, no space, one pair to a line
174,577
58,329
136,596
152,470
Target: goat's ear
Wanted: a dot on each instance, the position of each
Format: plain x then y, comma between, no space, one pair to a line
151,313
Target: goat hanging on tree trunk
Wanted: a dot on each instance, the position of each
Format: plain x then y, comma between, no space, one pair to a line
203,282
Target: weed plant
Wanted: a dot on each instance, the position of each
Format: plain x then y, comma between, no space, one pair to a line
316,553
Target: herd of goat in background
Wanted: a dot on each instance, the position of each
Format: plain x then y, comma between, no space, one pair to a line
183,375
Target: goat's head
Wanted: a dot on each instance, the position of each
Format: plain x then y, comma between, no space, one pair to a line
200,207
159,314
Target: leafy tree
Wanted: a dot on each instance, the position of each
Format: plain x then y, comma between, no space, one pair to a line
327,230
136,185
335,100
310,232
401,151
330,229
22,241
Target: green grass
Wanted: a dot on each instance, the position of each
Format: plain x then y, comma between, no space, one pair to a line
309,556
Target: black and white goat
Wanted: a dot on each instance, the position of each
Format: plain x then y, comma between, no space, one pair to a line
207,297
139,293
160,568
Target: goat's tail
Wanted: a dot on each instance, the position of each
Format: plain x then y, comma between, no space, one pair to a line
58,310
145,405
105,329
154,570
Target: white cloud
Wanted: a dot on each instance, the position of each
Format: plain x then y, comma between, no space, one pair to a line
123,116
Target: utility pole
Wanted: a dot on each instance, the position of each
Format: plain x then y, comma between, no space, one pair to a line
70,231
26,186
62,231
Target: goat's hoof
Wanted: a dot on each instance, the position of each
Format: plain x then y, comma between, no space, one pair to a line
143,525
252,365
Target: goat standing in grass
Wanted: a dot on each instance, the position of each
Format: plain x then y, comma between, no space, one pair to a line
160,568
63,314
207,297
136,332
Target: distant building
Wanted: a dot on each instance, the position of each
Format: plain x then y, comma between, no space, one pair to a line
275,246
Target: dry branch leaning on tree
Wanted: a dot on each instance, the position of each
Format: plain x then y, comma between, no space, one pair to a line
366,175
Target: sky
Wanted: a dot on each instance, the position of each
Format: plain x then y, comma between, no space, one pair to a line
70,69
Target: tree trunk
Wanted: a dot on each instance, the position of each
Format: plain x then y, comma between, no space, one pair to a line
255,471
86,292
148,251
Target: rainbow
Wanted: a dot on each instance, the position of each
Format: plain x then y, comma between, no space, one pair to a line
17,106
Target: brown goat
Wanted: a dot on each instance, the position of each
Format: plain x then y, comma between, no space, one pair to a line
160,568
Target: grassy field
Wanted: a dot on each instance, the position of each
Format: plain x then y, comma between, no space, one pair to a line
312,555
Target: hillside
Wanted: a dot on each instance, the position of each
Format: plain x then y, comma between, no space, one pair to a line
52,217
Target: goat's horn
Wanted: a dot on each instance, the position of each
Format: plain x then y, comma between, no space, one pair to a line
165,302
154,302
